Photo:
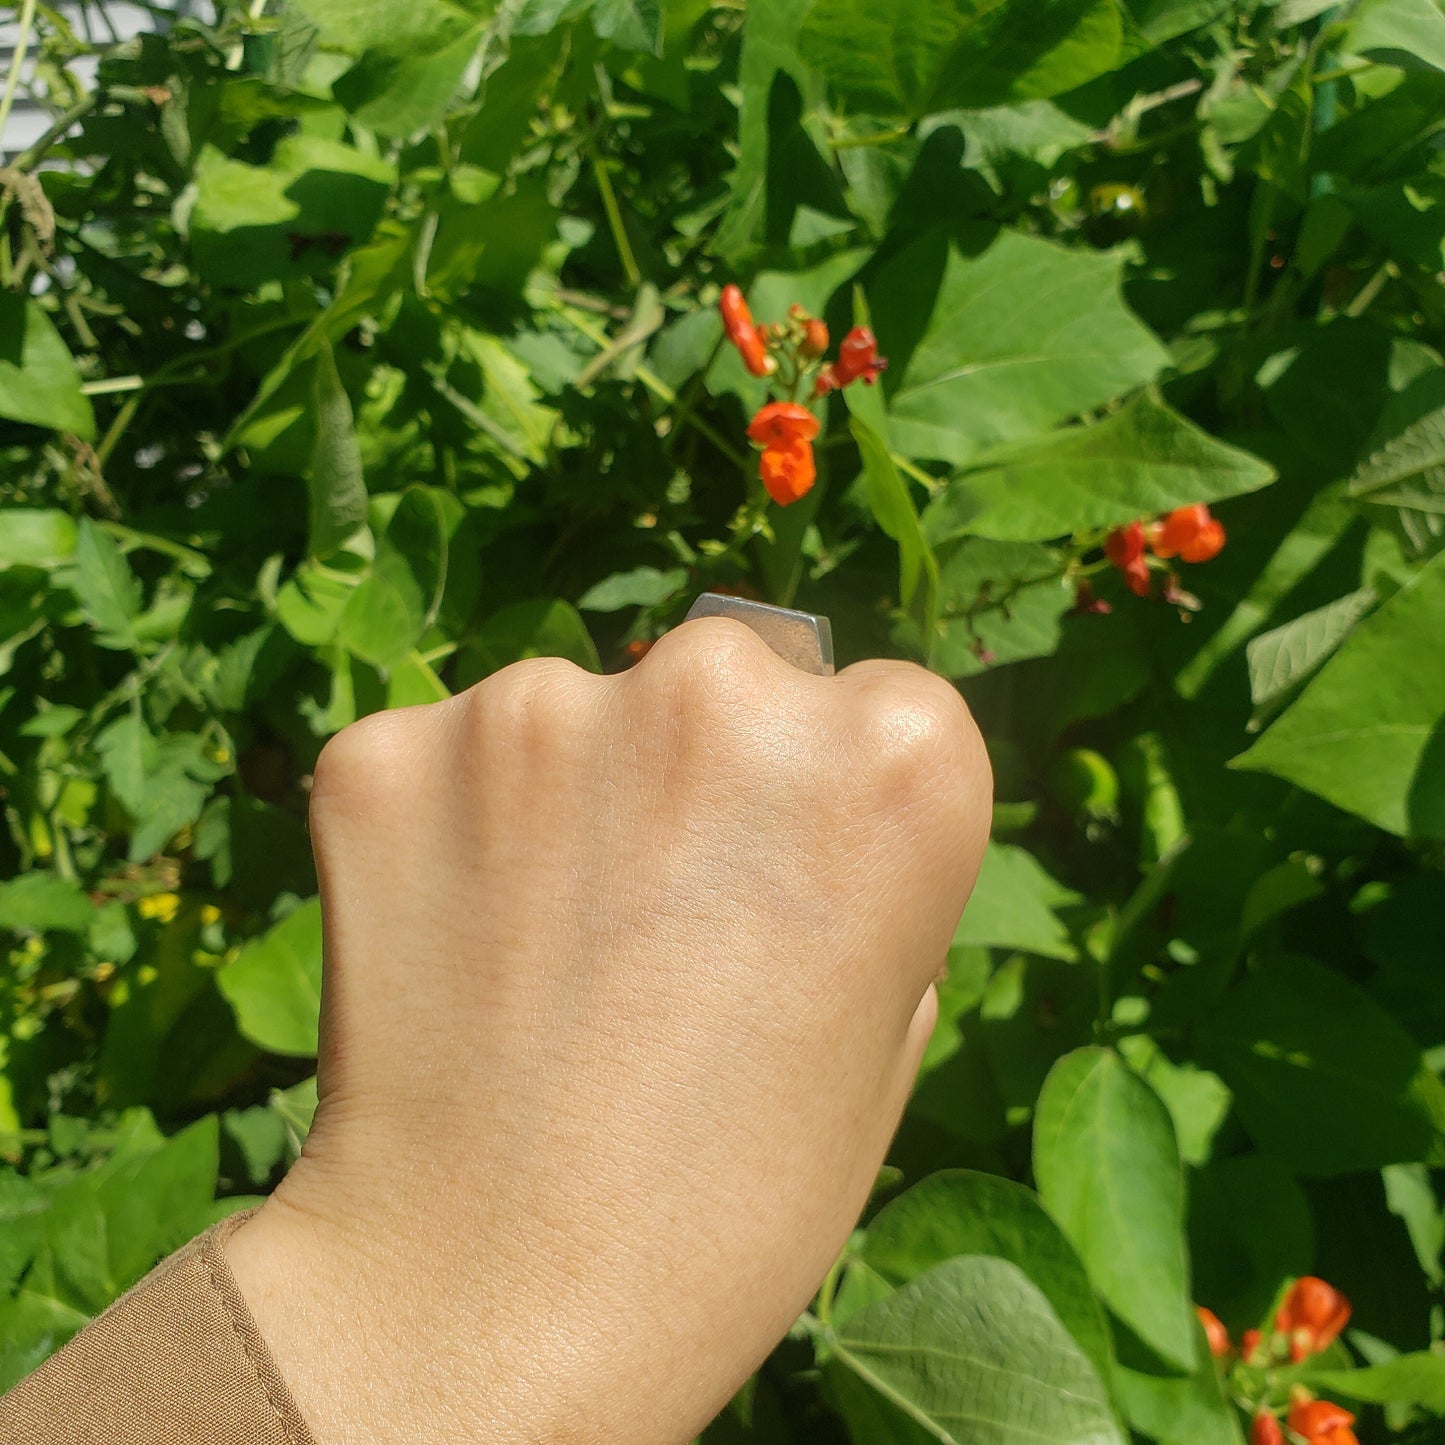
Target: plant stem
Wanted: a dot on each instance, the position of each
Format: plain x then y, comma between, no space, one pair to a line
22,44
614,220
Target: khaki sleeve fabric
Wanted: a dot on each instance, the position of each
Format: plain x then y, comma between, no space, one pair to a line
177,1361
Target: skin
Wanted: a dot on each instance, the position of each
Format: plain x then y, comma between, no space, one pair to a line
627,982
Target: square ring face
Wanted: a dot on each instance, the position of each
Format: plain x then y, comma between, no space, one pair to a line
801,638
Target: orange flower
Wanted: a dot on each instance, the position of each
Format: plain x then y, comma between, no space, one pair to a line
815,338
1125,545
783,421
1311,1317
738,323
1249,1347
858,360
1264,1429
1190,533
1322,1422
789,470
1214,1332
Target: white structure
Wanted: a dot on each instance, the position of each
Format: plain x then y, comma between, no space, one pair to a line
103,22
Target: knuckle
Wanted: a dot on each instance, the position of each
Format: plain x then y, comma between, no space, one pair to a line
712,655
535,702
361,761
921,737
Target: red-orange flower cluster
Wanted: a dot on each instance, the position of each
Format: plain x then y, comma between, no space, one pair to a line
744,334
1311,1317
1189,533
858,360
785,431
1322,1422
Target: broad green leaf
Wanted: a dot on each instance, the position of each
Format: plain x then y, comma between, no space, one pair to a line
387,613
1001,343
274,986
1368,733
1281,662
315,199
1014,906
105,587
973,1354
961,1212
358,25
42,903
31,537
915,57
400,92
1323,1078
1404,461
631,24
1143,460
1108,1170
770,62
1001,602
1161,20
542,628
296,1108
892,506
642,587
39,381
1417,1379
1192,1410
162,782
1408,33
335,485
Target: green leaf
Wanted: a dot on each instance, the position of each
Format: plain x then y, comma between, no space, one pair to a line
642,587
546,627
1368,733
770,62
630,24
274,986
386,614
1407,33
1323,1078
288,219
892,506
401,92
1404,460
1143,460
973,1354
106,588
335,484
1107,1167
1193,1410
30,537
1161,20
1281,662
960,1212
1014,906
915,57
39,381
43,903
1002,342
1417,1379
358,25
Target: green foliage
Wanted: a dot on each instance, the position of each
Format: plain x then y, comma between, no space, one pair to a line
351,352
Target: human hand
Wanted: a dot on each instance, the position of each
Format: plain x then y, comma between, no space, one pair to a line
627,981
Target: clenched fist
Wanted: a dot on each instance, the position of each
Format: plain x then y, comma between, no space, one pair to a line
627,981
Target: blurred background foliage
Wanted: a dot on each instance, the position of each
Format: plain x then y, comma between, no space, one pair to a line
350,352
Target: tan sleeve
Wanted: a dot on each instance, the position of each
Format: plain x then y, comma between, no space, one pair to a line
177,1361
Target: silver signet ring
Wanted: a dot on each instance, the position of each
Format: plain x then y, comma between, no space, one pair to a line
801,638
